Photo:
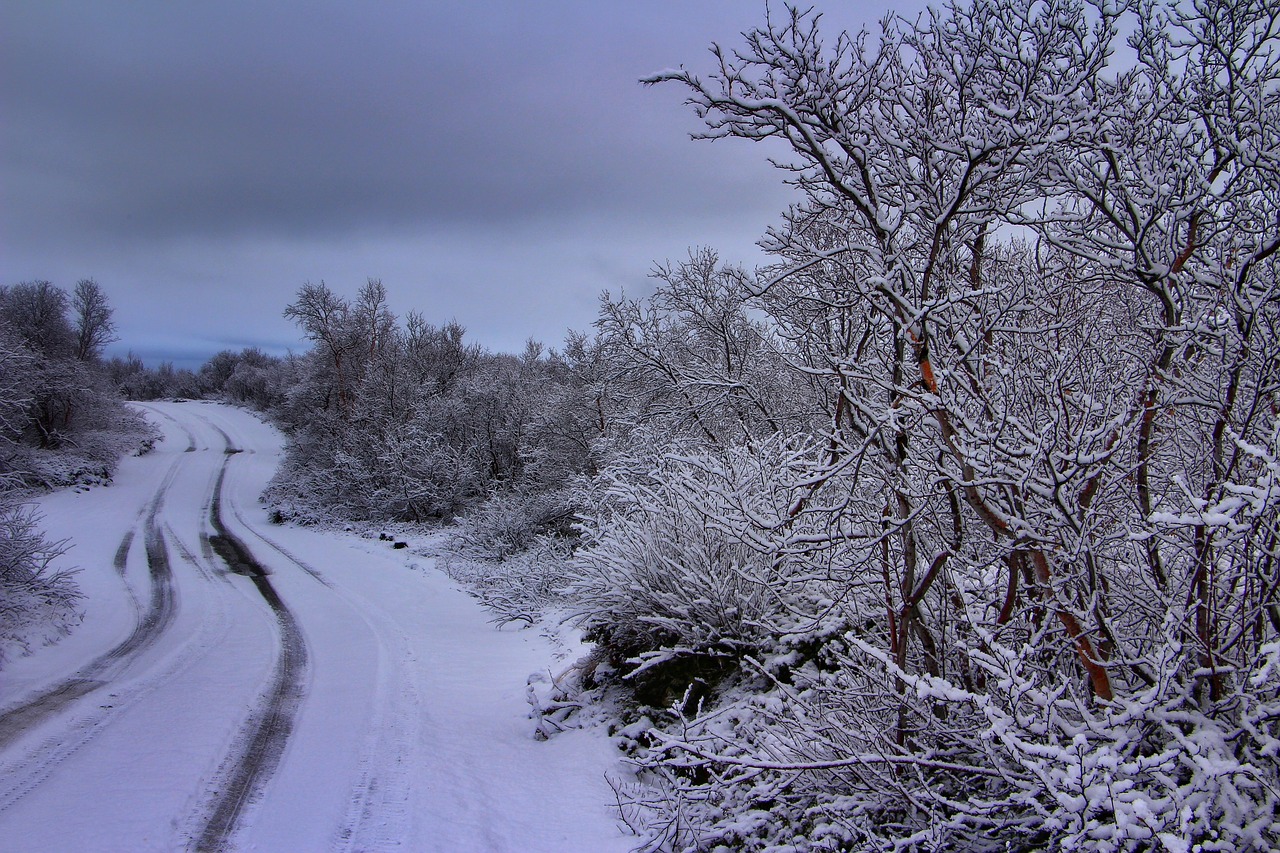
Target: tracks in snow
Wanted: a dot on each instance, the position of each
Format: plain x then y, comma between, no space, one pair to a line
102,670
378,809
260,744
24,771
262,739
237,765
160,413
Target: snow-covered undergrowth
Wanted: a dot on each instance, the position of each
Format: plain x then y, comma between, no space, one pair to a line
801,764
667,580
37,605
510,553
291,495
88,458
512,522
519,588
765,714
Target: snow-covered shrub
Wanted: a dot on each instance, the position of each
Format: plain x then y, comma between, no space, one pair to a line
520,587
512,521
37,605
90,457
301,493
1018,766
417,475
84,452
511,551
988,740
670,579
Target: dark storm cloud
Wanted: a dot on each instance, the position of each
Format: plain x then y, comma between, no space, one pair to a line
497,162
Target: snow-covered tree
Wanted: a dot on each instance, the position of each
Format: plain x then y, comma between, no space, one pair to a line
689,360
1032,298
94,328
69,403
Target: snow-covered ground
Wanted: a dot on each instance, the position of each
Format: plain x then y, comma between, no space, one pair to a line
351,699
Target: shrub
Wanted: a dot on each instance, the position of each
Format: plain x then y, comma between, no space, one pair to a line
670,580
37,604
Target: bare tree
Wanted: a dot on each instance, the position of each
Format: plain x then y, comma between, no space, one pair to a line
324,316
94,328
37,312
689,359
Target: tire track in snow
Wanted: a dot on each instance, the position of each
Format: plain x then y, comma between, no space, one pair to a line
228,446
191,439
264,735
193,560
24,774
21,777
122,553
378,804
102,669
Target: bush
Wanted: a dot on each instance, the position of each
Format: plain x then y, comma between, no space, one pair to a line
670,580
511,522
1016,768
37,605
522,587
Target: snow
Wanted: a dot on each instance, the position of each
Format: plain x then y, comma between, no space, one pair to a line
411,731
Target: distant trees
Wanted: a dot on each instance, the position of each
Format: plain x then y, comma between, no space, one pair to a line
249,377
387,420
407,421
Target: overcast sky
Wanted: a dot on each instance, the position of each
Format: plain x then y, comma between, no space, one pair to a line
492,162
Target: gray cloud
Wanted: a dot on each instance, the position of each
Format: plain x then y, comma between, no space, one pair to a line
218,155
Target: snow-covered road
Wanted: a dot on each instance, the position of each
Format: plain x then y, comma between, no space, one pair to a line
245,686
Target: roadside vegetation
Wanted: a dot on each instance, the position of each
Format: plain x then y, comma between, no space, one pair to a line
957,527
62,424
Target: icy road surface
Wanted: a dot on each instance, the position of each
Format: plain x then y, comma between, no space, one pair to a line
238,685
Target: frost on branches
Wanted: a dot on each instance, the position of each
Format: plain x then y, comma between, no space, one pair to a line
38,604
997,569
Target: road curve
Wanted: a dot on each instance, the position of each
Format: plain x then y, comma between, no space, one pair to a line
243,685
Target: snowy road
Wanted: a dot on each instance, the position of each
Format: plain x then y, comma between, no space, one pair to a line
237,685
